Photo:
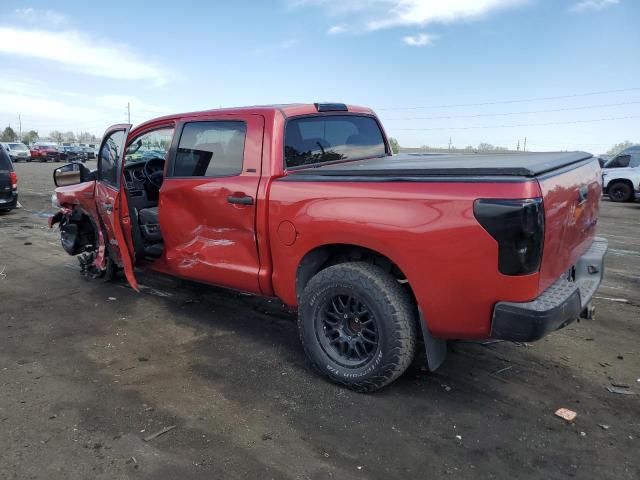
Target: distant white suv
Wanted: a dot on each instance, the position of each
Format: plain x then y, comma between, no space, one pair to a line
17,151
621,175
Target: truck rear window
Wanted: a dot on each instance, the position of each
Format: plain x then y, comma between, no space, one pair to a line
328,138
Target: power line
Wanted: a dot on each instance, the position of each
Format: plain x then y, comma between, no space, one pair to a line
567,109
518,125
521,100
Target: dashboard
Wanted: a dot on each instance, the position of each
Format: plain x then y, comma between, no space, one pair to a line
142,193
134,177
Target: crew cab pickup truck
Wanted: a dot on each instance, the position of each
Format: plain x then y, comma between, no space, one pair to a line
380,253
621,175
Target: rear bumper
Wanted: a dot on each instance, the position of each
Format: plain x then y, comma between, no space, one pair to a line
560,304
10,202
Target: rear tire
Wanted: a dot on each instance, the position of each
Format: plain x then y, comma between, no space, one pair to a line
357,325
620,192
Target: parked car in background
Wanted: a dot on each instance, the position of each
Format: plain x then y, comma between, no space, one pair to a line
378,253
17,151
621,175
91,152
47,152
8,182
74,154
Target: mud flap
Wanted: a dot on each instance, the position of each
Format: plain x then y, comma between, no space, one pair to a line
436,348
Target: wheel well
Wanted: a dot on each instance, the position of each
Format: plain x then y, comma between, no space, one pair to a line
329,255
619,180
78,232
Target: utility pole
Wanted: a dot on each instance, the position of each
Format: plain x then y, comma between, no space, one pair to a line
20,127
525,145
518,146
128,112
449,144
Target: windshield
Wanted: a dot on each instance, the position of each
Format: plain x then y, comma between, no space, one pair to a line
327,138
17,146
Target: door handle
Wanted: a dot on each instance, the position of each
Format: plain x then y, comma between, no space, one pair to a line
107,207
240,200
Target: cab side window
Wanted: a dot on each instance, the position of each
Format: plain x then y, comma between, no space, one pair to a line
110,157
210,149
635,160
621,161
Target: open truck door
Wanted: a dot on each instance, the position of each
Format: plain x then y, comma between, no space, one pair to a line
111,203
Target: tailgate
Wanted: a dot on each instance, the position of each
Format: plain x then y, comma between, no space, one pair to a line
5,184
571,202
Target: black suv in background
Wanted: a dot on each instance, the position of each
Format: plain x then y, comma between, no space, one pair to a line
8,182
74,154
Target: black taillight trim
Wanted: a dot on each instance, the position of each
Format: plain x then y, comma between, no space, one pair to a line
518,227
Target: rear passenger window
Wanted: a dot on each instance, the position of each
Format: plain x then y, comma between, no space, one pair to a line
327,138
210,149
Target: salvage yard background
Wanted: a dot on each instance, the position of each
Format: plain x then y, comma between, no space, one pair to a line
90,369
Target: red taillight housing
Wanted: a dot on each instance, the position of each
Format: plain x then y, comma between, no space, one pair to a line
14,180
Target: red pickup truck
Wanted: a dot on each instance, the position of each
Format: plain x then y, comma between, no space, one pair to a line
380,253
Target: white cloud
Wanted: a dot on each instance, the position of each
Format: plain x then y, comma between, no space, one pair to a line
336,29
44,108
423,12
419,40
380,14
78,52
592,5
34,15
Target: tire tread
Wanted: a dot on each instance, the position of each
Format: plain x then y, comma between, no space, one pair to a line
401,313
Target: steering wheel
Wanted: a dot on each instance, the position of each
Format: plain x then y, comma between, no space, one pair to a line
153,171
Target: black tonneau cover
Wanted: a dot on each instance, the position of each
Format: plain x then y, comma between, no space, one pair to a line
417,165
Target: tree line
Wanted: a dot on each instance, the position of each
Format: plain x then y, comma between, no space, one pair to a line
10,135
485,147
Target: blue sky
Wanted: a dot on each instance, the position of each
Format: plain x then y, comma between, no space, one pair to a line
423,65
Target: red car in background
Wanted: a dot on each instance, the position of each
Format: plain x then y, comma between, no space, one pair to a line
379,253
46,152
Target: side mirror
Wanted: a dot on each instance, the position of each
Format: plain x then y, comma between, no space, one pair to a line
72,174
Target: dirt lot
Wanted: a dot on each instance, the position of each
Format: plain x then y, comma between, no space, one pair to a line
88,369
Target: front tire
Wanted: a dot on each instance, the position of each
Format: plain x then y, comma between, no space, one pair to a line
357,325
620,192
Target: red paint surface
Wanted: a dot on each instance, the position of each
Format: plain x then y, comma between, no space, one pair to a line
569,227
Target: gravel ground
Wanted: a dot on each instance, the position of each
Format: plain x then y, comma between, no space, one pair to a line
88,369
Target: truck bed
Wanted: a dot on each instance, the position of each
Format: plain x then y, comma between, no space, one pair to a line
466,165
